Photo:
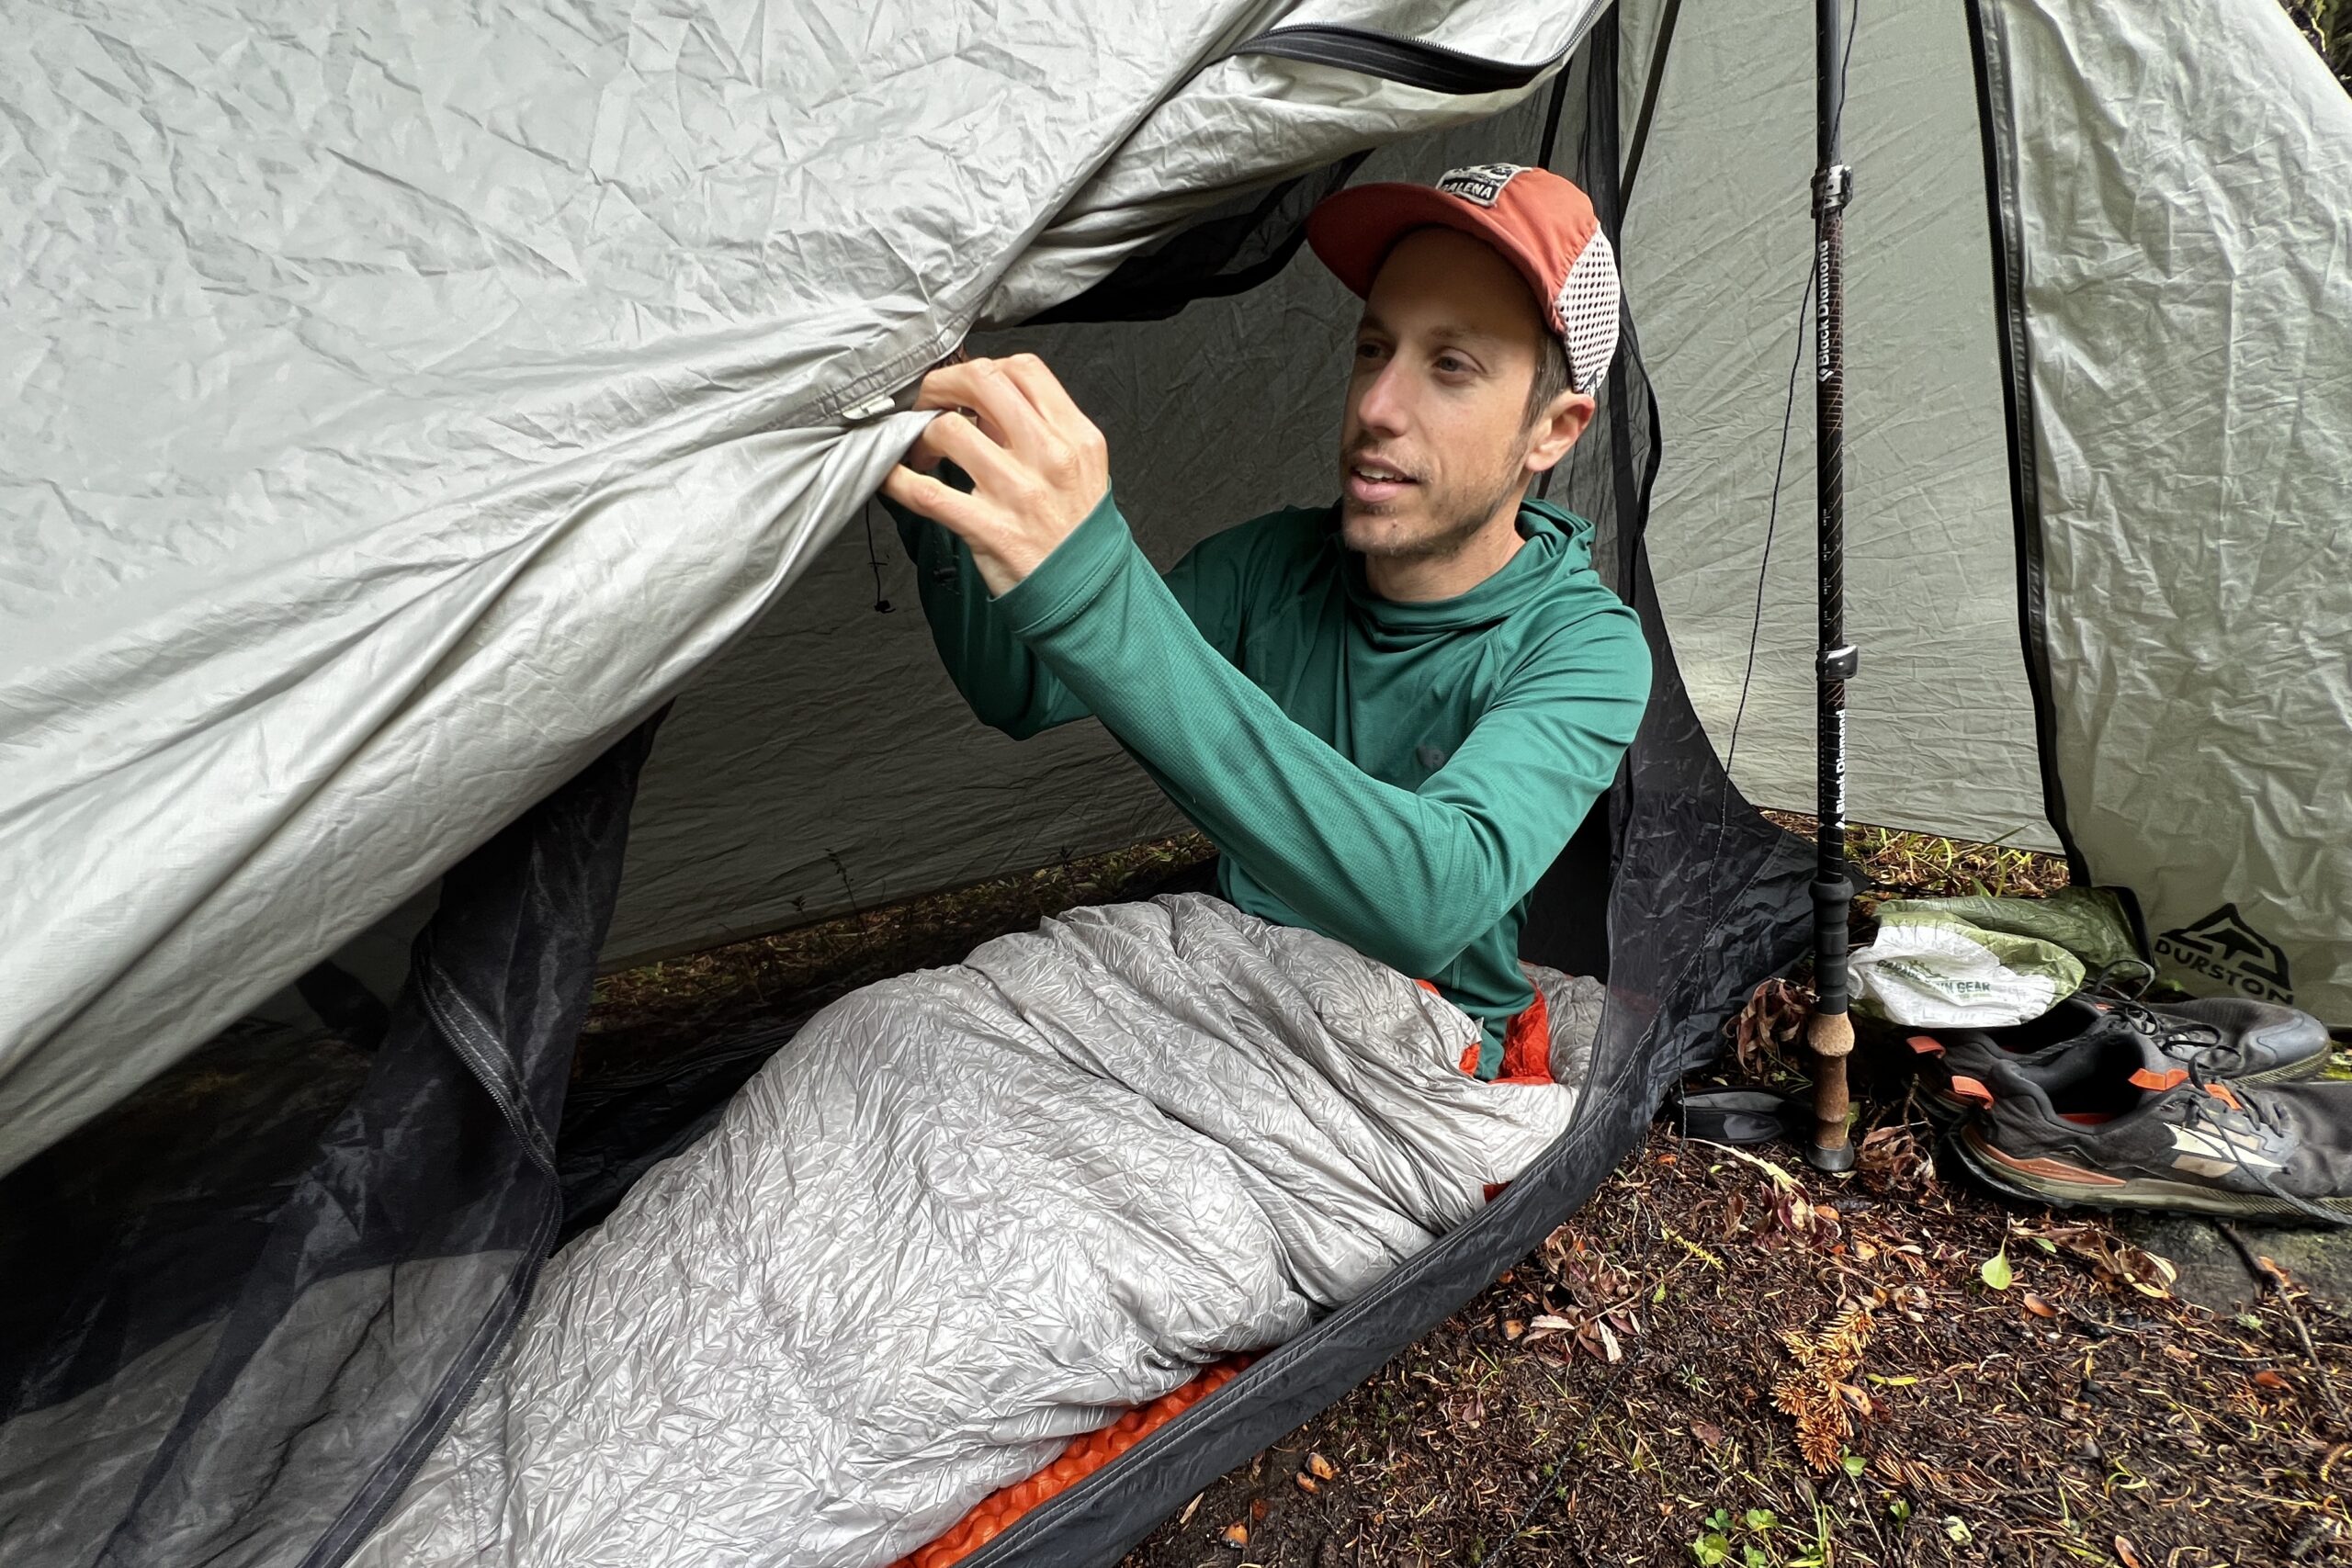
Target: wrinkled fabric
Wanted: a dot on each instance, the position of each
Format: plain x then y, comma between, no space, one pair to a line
968,1215
2183,179
406,397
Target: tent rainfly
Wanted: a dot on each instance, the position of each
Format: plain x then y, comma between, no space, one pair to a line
412,402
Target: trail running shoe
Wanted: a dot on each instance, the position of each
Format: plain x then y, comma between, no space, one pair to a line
2118,1125
2224,1038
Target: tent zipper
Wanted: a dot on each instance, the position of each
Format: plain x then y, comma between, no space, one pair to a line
1414,63
343,1535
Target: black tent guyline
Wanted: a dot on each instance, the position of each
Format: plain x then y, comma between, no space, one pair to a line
1831,1034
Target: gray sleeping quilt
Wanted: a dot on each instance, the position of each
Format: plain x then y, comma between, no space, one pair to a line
968,1215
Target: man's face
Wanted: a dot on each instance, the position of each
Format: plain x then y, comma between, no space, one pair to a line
1437,438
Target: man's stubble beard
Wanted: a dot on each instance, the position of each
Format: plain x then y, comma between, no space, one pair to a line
1459,519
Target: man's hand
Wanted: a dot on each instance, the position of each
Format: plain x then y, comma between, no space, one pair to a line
1038,465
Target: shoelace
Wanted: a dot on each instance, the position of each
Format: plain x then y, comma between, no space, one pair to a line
2191,1043
2254,1111
2183,1039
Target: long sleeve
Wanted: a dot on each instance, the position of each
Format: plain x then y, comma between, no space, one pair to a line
1008,686
1408,877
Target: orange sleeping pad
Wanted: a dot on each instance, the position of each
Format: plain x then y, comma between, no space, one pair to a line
996,1513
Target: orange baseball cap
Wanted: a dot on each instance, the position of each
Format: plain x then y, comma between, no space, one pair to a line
1540,223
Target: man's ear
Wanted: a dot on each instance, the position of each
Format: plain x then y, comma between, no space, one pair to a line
1557,429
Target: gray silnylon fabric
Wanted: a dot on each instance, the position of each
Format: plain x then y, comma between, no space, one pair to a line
1211,139
2188,296
968,1215
2184,185
415,396
1717,253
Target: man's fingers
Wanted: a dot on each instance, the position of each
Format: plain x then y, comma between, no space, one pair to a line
1072,446
1044,390
941,503
922,457
984,387
963,444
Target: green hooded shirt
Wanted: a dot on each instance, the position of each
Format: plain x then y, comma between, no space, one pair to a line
1394,775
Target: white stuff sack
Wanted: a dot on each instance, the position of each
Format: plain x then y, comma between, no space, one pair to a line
1929,968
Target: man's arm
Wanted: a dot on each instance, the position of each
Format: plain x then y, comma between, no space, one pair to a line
1408,877
1008,686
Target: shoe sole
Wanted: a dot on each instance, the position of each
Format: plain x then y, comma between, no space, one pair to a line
2306,1067
1987,1165
1945,1113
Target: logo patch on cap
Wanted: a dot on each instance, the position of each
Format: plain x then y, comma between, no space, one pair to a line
1480,182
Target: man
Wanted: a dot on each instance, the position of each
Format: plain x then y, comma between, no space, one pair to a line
1388,714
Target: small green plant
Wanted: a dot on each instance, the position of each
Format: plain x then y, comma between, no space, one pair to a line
1712,1548
1996,1271
1745,1542
1821,1551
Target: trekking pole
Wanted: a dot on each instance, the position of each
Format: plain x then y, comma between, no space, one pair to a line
1831,1033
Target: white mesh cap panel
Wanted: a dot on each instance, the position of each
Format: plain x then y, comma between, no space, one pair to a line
1588,312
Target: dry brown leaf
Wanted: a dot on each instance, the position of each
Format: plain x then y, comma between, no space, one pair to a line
2126,1553
1891,1160
1321,1468
1772,1021
2038,1307
1814,1393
